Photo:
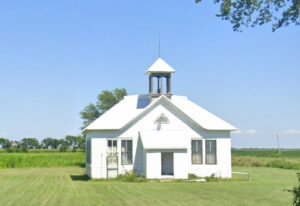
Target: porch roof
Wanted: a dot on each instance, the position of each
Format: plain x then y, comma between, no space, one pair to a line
163,139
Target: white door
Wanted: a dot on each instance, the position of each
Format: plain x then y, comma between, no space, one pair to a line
167,163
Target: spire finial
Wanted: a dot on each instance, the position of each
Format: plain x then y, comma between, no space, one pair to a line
158,43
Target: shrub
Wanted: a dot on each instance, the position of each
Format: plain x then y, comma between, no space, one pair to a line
130,176
296,192
74,149
275,154
24,149
192,176
10,150
211,178
63,148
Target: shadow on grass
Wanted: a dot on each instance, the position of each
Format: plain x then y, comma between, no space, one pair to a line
80,177
80,164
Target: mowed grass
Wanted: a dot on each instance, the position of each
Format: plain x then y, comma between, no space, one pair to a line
68,186
41,159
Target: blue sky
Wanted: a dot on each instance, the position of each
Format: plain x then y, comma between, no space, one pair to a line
56,56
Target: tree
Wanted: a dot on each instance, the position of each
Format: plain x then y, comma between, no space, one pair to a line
81,142
71,140
4,143
296,192
55,143
106,99
15,144
258,12
31,143
46,143
50,142
76,142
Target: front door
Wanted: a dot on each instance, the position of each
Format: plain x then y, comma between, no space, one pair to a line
167,163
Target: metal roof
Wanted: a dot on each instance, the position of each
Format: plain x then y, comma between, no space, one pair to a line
160,66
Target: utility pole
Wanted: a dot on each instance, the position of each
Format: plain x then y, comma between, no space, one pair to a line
278,144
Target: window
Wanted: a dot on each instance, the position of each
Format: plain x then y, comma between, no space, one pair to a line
211,151
126,152
112,147
196,151
88,150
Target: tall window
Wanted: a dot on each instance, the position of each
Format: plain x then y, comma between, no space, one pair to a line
126,152
196,151
112,147
88,150
211,151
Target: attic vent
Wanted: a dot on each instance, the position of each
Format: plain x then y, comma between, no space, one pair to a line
162,119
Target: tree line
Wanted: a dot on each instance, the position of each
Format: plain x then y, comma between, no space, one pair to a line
105,100
70,141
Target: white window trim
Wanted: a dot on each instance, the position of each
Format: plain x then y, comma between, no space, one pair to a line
126,138
203,151
109,139
216,151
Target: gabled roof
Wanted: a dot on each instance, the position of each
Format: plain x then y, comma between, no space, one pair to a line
135,106
160,66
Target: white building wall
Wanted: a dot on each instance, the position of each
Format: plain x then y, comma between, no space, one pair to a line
153,164
98,158
223,166
181,164
178,122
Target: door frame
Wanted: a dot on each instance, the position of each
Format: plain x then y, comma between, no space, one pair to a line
172,164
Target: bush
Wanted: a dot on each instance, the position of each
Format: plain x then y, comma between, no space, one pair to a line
211,178
130,176
192,176
74,149
296,192
10,150
24,149
63,148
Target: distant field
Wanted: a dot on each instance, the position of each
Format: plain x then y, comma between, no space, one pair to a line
41,150
68,186
41,159
288,159
289,153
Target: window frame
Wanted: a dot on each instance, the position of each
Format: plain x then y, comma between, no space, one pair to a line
125,140
201,154
88,150
112,153
216,152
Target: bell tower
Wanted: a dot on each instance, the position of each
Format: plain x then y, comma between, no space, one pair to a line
159,70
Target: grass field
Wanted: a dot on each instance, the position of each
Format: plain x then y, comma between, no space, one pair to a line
285,153
41,159
67,186
288,159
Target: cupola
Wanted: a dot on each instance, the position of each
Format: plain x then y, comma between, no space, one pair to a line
159,70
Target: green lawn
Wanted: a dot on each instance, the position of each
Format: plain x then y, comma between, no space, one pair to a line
67,186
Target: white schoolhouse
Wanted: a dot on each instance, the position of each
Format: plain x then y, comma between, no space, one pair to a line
159,135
